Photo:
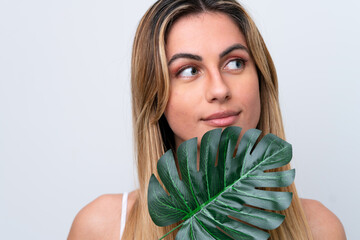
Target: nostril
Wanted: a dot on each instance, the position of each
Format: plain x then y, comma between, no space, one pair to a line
221,97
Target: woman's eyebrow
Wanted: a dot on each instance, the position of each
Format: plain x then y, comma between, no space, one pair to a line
184,55
232,48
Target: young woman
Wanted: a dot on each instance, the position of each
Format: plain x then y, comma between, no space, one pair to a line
197,65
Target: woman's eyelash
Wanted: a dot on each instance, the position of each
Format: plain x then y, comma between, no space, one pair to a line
241,60
181,70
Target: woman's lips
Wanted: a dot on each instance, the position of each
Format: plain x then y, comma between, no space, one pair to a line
222,119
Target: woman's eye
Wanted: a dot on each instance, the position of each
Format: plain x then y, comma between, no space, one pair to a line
188,72
235,64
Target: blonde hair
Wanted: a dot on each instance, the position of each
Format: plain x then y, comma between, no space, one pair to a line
150,94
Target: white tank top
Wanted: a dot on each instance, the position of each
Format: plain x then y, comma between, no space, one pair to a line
123,213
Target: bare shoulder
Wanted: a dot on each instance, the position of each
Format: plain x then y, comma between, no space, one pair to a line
100,219
324,224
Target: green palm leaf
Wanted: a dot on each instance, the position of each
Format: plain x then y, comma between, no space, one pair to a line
221,200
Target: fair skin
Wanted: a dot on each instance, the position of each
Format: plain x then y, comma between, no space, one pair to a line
213,84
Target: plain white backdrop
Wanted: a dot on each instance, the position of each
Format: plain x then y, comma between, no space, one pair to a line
65,112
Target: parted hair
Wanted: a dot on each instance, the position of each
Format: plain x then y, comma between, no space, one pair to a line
150,93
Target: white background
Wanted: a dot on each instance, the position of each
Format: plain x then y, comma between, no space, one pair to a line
65,114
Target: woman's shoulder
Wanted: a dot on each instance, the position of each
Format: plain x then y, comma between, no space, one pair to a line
101,217
324,224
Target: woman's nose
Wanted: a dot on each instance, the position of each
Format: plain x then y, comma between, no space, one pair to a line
217,89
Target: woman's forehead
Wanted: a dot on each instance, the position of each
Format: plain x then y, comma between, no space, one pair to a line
203,32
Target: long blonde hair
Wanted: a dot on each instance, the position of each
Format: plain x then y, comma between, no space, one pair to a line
150,94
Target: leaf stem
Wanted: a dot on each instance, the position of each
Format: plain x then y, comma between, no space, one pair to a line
172,230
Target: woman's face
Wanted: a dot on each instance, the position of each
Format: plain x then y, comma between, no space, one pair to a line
214,83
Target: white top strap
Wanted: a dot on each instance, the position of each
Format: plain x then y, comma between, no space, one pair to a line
123,213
